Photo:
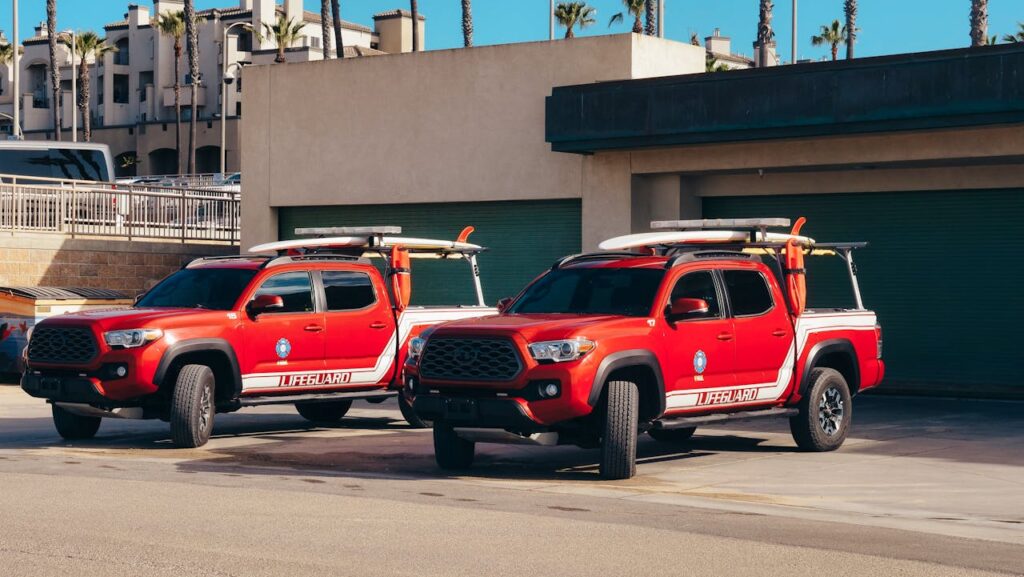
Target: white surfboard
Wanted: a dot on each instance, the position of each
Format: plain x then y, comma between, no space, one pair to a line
365,242
646,239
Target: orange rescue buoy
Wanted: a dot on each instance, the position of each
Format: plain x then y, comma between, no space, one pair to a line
796,274
401,276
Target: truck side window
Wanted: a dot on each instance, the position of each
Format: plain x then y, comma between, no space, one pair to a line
699,285
294,288
347,290
748,292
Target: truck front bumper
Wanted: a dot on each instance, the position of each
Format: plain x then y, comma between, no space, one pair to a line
472,412
66,389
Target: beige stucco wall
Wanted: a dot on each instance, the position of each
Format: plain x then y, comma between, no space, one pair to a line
451,125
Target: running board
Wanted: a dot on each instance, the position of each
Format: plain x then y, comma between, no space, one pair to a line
683,422
319,398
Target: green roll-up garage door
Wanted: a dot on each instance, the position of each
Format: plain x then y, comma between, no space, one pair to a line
524,238
941,271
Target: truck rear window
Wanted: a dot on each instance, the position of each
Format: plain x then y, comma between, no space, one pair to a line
592,291
206,288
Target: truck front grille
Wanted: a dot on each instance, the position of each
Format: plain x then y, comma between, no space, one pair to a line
453,359
62,345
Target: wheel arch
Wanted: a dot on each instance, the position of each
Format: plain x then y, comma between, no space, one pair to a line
640,366
837,354
218,354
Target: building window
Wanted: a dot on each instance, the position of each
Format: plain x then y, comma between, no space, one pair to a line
99,89
145,79
238,109
121,89
243,42
314,42
122,54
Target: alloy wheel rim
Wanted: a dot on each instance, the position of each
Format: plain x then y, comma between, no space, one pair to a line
831,411
205,406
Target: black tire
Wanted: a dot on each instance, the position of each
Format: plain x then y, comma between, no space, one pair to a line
451,451
193,406
410,416
74,427
618,443
672,435
330,412
825,412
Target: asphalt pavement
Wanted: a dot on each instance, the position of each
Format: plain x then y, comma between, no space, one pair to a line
923,487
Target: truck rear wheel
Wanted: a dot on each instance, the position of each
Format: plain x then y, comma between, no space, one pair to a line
330,412
193,406
672,435
74,427
450,450
410,416
618,443
825,412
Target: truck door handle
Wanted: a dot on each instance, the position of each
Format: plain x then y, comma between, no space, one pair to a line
725,336
313,328
378,325
779,333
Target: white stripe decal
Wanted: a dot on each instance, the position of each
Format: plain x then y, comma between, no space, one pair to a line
410,318
805,326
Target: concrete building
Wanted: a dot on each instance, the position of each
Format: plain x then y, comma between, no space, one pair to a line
132,104
720,53
550,147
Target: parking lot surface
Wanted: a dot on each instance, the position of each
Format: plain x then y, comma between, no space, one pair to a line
922,487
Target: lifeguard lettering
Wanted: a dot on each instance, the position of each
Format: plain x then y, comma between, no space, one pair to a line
315,379
727,397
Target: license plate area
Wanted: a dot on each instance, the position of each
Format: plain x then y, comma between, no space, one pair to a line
50,384
460,409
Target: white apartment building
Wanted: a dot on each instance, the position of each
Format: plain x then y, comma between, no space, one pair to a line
132,95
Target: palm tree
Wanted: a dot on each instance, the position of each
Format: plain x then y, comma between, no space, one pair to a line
192,43
87,44
285,32
336,9
651,18
7,53
979,22
570,14
765,34
850,8
325,27
173,24
1013,38
636,9
833,35
51,35
467,23
415,9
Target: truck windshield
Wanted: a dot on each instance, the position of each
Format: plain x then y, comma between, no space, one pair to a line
592,291
206,288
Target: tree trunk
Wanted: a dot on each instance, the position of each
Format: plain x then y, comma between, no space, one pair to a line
414,8
638,25
177,104
280,54
651,17
851,27
325,27
568,32
467,23
336,9
192,43
51,34
835,52
979,22
83,99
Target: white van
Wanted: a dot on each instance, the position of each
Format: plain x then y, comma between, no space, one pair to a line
60,160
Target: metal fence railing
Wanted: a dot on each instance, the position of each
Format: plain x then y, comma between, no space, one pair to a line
80,208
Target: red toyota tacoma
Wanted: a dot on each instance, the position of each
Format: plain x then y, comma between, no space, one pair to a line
686,328
315,324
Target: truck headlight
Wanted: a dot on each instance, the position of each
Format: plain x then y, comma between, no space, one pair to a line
416,347
561,351
131,338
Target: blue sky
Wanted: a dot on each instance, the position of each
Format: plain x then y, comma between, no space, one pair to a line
887,26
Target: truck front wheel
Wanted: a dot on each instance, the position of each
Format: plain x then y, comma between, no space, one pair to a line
193,407
330,412
408,413
618,442
74,427
825,412
450,450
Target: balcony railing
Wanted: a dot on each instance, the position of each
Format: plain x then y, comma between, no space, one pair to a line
79,208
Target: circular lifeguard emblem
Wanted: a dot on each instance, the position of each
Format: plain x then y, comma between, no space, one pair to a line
700,362
283,348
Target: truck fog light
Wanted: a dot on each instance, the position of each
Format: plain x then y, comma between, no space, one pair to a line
121,371
548,390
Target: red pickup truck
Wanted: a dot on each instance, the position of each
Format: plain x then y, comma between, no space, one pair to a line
697,324
314,324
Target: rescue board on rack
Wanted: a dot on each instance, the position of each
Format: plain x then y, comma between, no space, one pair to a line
647,239
381,242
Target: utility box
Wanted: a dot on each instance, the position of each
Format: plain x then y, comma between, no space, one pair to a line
22,307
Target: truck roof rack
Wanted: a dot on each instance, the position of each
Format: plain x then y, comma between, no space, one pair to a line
314,257
680,257
348,231
721,224
594,256
225,257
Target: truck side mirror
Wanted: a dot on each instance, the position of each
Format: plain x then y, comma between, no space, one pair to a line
265,303
686,308
503,304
